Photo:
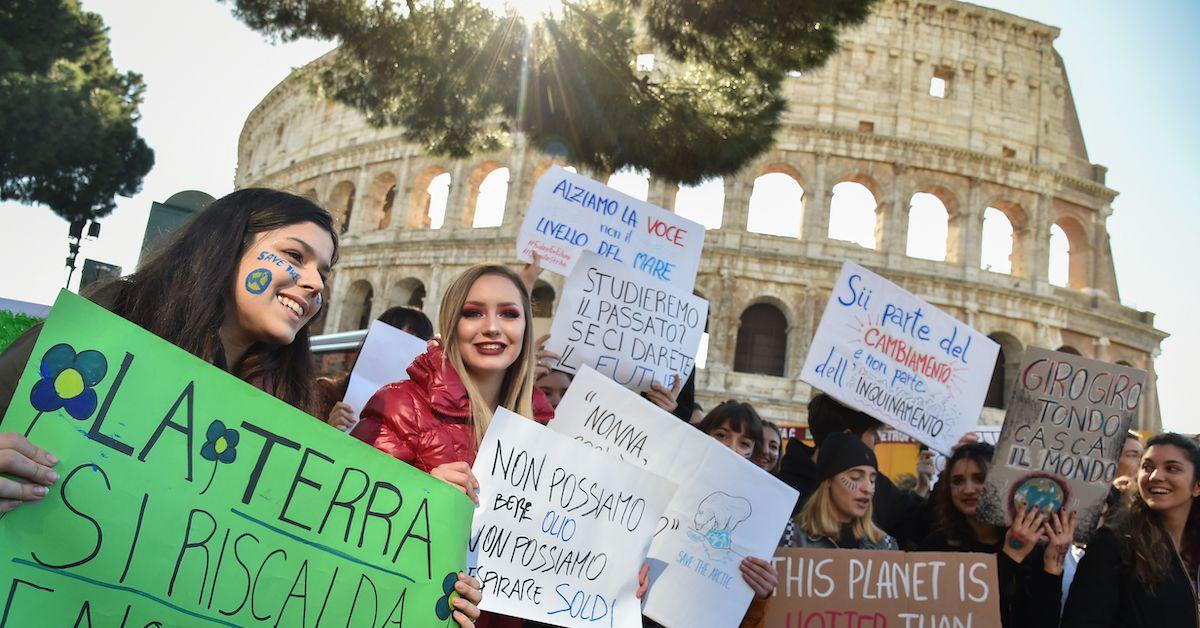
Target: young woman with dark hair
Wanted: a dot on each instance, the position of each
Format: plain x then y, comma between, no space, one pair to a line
237,286
1029,575
1140,569
768,456
484,360
331,390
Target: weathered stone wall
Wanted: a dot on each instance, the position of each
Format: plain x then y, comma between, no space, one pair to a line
1005,135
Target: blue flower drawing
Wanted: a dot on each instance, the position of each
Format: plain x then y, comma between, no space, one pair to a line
67,382
220,446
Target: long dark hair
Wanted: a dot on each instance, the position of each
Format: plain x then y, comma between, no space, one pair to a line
1146,547
950,521
180,293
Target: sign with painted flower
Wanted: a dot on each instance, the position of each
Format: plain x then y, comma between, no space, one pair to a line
190,498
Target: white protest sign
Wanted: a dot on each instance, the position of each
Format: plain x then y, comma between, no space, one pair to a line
726,508
384,359
989,434
1067,421
886,352
561,529
570,213
634,330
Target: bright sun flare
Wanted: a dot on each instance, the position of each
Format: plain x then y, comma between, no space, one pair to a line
529,10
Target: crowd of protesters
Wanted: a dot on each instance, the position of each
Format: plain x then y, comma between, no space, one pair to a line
1140,568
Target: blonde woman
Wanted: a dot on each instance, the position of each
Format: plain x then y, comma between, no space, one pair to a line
838,515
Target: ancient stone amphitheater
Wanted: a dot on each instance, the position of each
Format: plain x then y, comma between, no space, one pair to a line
967,105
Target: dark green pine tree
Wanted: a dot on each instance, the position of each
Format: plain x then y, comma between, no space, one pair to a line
68,134
459,78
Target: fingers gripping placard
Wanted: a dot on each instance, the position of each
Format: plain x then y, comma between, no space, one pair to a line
190,498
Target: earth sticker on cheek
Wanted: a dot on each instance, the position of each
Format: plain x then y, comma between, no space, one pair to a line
258,280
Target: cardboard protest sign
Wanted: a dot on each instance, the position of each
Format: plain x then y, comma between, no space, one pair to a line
561,529
570,213
635,331
1066,423
901,360
384,358
837,588
726,508
191,498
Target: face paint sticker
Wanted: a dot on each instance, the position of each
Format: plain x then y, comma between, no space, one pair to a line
258,280
848,483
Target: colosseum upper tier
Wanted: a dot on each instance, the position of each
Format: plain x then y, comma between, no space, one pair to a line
967,104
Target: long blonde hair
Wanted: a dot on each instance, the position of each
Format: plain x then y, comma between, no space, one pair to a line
516,393
818,517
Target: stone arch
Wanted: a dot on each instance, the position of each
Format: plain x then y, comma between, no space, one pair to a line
542,299
408,292
776,202
341,205
932,224
703,202
311,194
1078,259
487,194
761,345
1004,373
1069,349
1004,238
854,211
356,309
427,199
381,198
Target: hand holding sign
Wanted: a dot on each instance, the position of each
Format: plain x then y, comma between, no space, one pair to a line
30,469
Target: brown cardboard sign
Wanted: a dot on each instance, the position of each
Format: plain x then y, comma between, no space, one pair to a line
840,588
1067,420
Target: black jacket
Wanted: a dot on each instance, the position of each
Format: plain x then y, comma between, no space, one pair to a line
1027,593
1105,594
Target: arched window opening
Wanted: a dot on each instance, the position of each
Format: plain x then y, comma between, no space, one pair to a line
311,194
997,242
341,205
635,183
852,214
703,202
437,193
1060,257
389,201
407,292
357,311
1069,349
542,300
761,341
493,193
928,227
776,206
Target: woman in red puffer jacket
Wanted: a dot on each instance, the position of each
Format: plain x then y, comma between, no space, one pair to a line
436,420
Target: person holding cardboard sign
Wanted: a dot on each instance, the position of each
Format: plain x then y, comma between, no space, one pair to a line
436,420
1025,569
1141,569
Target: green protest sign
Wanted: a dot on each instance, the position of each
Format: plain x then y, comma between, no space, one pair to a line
190,498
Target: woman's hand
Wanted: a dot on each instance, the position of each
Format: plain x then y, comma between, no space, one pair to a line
458,475
530,272
1060,529
925,470
30,469
342,416
643,581
1022,536
541,367
466,606
664,398
759,574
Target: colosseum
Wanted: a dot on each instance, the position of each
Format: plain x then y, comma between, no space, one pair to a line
962,112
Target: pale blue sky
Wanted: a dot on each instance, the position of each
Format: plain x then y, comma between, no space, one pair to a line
1133,70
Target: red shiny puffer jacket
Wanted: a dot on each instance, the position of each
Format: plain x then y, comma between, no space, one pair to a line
426,421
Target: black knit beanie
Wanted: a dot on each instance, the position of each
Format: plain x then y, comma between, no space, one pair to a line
842,451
